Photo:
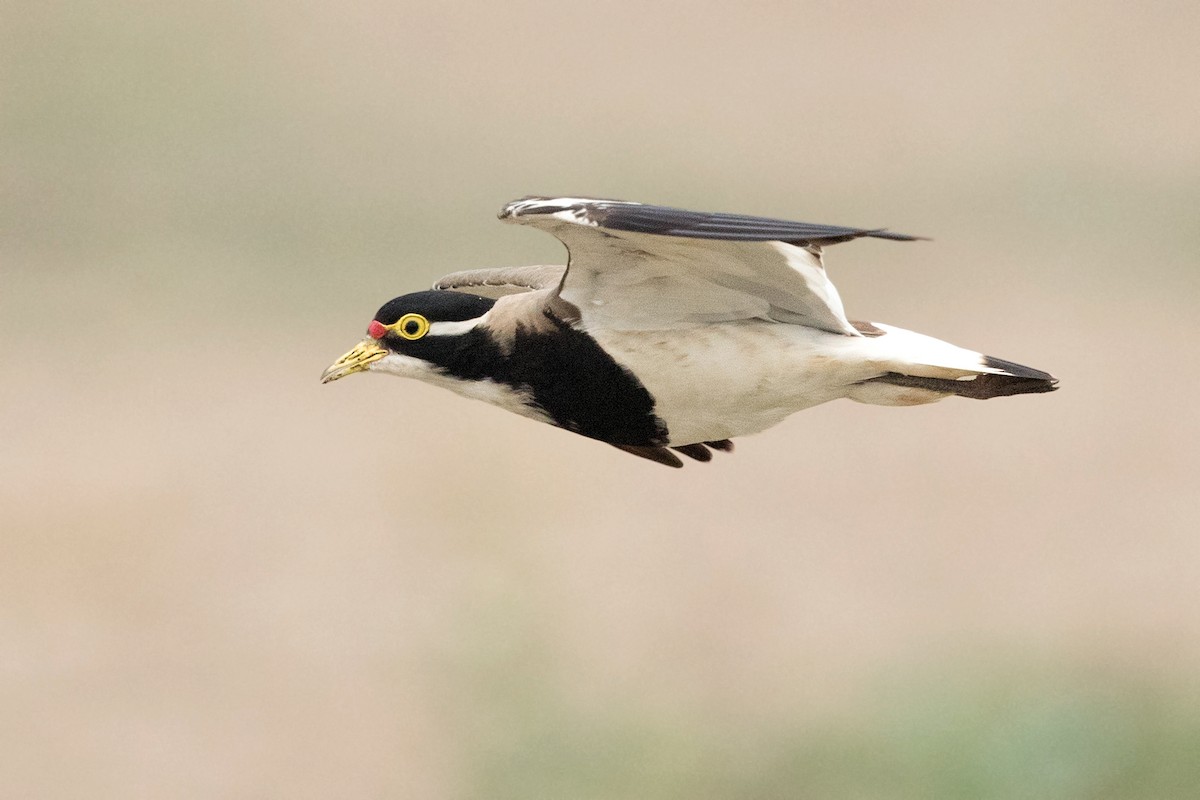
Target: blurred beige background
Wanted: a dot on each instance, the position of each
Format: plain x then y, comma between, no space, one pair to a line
220,579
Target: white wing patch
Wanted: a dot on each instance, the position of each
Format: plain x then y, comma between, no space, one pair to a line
627,280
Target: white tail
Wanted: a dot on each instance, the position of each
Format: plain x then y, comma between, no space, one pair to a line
916,369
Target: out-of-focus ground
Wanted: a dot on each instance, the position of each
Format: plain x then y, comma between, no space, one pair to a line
221,579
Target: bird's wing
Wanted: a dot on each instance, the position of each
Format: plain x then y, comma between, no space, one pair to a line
644,267
503,281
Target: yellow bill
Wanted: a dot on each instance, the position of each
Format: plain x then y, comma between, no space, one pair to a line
357,360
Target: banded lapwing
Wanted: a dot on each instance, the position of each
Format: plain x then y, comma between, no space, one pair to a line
668,330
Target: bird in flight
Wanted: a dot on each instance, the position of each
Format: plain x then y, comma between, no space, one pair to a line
668,331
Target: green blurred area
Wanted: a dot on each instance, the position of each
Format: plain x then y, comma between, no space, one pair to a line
1032,734
221,579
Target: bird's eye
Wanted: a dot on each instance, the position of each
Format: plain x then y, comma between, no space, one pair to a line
412,326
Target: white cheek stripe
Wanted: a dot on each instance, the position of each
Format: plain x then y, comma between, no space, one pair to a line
453,328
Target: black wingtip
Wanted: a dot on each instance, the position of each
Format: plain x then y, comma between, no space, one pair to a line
621,215
1020,370
884,233
1017,379
849,236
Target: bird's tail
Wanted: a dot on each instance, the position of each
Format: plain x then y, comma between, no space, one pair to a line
920,369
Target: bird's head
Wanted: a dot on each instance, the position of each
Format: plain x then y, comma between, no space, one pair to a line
413,334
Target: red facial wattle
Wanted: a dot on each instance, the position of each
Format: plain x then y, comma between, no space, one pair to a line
376,329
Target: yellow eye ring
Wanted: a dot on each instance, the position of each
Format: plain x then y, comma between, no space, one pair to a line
411,326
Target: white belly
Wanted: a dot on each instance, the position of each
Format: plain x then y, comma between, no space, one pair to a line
720,381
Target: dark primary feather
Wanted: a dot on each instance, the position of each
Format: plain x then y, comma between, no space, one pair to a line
732,227
667,221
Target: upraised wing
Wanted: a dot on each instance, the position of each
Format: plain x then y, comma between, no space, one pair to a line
644,267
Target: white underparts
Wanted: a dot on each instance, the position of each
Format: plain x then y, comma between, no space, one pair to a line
722,381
